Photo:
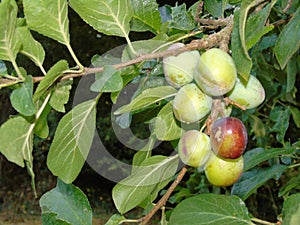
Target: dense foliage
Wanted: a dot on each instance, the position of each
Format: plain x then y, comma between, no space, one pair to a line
259,41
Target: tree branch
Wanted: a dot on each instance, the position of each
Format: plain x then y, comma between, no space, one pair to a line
164,199
204,43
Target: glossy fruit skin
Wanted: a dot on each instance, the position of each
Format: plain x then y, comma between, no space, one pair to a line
223,172
216,74
194,148
249,95
228,137
179,70
191,104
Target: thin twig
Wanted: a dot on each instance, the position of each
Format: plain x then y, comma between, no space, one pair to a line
231,102
144,220
288,6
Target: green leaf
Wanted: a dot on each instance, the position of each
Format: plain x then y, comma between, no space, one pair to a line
240,54
50,219
143,153
3,69
288,43
216,7
9,46
280,116
181,20
255,26
291,210
165,124
60,95
72,141
115,219
41,127
30,47
110,17
52,75
146,16
291,74
16,140
66,203
253,179
258,155
210,209
21,98
49,18
147,98
296,115
293,183
133,190
239,47
109,80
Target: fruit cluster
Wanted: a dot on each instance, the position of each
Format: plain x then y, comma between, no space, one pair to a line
200,79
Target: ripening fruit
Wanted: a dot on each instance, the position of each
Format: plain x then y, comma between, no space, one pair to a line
179,70
228,137
223,172
249,95
194,148
191,104
216,74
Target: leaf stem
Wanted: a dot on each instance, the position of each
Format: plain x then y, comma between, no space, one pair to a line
13,61
164,199
81,67
262,221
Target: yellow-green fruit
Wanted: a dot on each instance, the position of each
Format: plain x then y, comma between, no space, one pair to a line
191,104
216,74
179,70
194,148
249,95
223,172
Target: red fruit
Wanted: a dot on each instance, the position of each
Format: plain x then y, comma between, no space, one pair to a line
228,137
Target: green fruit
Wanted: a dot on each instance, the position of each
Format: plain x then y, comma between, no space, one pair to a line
216,74
223,172
249,95
191,104
194,148
179,70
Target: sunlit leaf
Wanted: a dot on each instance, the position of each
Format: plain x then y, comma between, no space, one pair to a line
52,75
134,189
181,20
146,16
109,80
255,26
210,209
166,127
115,219
48,17
30,47
147,98
216,7
110,17
66,204
72,141
9,46
16,140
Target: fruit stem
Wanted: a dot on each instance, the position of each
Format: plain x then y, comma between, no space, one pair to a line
164,198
